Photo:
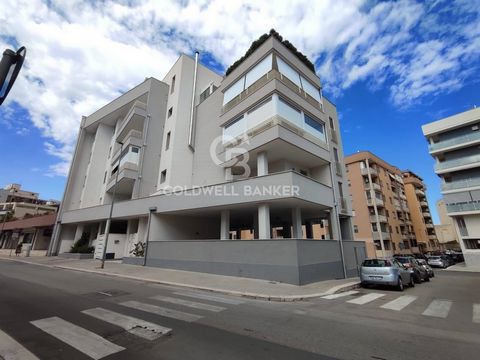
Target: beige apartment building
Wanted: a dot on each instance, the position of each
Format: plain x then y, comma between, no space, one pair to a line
423,226
382,216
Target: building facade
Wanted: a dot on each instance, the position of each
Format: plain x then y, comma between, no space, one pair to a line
20,203
446,234
199,158
416,193
453,143
382,210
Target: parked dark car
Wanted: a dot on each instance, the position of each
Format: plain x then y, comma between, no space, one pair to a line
385,272
427,267
418,272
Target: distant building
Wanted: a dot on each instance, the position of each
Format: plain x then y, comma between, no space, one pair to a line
446,234
454,144
382,215
415,190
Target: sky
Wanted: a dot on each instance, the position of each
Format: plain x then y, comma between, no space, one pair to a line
389,67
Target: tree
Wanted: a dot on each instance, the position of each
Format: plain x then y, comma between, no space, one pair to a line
81,245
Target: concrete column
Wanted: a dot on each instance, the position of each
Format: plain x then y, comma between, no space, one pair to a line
36,233
264,221
225,225
262,163
297,223
333,224
78,232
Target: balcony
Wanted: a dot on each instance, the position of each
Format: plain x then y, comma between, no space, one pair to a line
426,215
423,204
429,226
471,206
419,192
397,205
132,121
381,218
385,235
403,197
460,141
461,163
461,184
373,172
274,111
378,202
373,186
432,237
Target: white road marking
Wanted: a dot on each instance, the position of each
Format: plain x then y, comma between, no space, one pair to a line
399,303
189,303
339,295
157,310
12,350
139,327
77,337
476,313
438,308
366,298
209,297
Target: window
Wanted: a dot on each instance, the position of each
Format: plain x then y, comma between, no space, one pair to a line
461,226
310,89
172,87
135,149
396,229
104,177
331,122
170,111
167,142
233,90
258,71
355,229
335,154
163,176
315,125
289,72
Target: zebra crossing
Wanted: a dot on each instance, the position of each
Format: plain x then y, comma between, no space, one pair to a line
96,346
437,308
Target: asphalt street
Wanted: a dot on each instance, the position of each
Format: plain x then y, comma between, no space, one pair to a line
50,313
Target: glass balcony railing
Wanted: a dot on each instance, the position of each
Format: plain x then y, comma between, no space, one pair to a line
474,136
460,184
471,206
457,162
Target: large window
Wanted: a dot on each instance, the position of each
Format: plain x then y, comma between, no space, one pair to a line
299,80
314,127
248,79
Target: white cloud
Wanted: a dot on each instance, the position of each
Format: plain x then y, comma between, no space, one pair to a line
83,54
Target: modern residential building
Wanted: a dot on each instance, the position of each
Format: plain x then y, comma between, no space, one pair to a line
454,144
20,203
382,215
35,231
446,234
416,192
199,158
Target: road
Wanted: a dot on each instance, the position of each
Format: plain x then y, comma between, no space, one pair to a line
50,313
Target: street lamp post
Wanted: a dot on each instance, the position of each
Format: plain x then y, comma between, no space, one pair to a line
109,220
151,210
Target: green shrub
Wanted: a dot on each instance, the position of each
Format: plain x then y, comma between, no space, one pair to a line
138,250
81,245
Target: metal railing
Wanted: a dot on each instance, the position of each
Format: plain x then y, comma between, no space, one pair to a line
471,206
447,164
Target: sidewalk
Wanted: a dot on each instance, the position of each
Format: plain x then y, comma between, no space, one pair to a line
254,288
463,267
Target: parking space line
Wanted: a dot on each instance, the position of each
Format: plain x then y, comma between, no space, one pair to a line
438,308
366,298
399,303
339,295
12,350
189,303
138,327
158,310
83,340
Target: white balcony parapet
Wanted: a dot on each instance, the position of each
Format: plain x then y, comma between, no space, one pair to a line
450,164
463,207
460,184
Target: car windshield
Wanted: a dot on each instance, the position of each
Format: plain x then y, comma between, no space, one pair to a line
403,260
421,261
435,258
376,263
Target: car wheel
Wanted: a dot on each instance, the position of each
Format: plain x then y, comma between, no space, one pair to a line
412,282
427,278
417,278
433,274
399,284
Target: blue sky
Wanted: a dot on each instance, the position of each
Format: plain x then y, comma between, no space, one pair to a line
388,66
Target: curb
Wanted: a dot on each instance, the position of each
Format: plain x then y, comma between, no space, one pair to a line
278,298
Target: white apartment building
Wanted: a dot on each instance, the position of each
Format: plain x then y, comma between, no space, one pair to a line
454,143
198,160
